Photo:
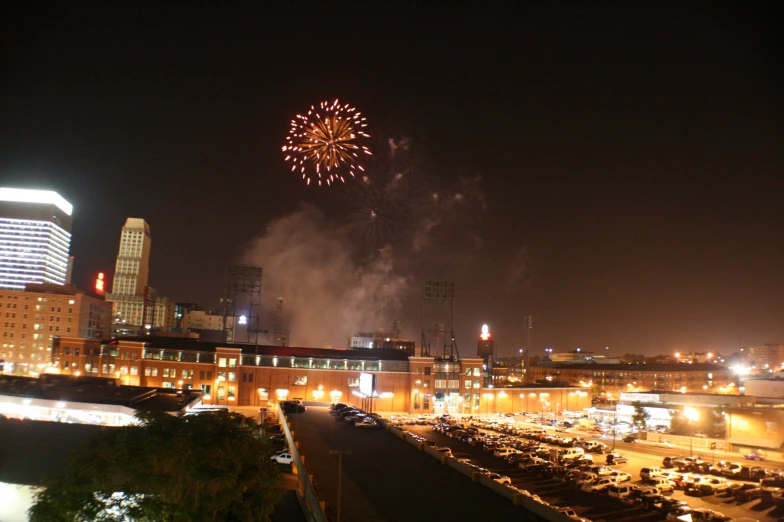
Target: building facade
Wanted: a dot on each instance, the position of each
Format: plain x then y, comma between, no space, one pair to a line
201,320
31,319
766,357
131,274
245,375
35,237
165,313
611,379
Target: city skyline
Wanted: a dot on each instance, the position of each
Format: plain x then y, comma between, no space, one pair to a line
612,172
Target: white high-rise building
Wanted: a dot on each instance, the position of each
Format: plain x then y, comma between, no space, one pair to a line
131,273
35,237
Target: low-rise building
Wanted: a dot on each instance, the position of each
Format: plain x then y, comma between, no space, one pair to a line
86,399
611,379
248,375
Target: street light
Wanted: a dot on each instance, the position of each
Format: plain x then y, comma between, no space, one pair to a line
340,454
692,415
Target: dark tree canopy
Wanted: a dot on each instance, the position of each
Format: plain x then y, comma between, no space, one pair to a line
205,467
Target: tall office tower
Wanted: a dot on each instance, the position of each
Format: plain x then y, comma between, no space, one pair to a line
35,237
131,273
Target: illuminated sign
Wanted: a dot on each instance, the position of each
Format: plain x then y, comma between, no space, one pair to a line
100,289
367,383
243,319
485,333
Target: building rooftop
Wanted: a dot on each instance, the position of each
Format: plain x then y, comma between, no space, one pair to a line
97,390
652,367
180,343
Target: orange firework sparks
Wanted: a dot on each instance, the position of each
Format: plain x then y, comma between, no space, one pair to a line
323,145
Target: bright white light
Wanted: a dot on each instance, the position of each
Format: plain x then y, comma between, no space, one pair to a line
35,196
243,319
485,332
691,414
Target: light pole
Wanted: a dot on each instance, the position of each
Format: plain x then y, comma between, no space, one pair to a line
615,427
522,367
340,454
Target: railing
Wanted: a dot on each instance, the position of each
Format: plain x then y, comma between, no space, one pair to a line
312,507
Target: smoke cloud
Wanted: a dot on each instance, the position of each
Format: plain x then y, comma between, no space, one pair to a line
308,261
365,269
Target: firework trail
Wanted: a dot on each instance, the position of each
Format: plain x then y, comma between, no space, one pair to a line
323,145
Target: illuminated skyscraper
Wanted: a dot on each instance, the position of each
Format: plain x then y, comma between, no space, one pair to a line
35,237
131,273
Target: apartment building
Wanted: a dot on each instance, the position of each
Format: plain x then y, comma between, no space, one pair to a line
32,318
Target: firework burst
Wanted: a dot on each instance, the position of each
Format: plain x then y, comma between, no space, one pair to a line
323,145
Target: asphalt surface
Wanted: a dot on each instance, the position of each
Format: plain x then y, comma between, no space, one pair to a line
387,479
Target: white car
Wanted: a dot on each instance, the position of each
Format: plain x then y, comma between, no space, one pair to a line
501,479
664,444
621,476
505,452
282,458
599,485
569,512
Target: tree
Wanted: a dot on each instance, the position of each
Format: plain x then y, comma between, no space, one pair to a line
640,416
205,467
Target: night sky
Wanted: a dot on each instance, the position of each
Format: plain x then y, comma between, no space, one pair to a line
615,172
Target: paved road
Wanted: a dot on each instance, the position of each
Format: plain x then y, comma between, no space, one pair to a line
387,479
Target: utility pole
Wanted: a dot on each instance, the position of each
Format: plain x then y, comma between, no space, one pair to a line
529,325
340,454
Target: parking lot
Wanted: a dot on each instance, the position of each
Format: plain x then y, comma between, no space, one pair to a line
594,506
387,479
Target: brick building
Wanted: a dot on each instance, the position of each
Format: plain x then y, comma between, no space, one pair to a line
247,375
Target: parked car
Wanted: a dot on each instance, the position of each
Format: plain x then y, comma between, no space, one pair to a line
669,462
278,438
745,493
367,422
661,483
698,489
752,473
621,490
676,512
599,485
501,479
616,458
648,473
444,450
293,406
621,476
284,458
